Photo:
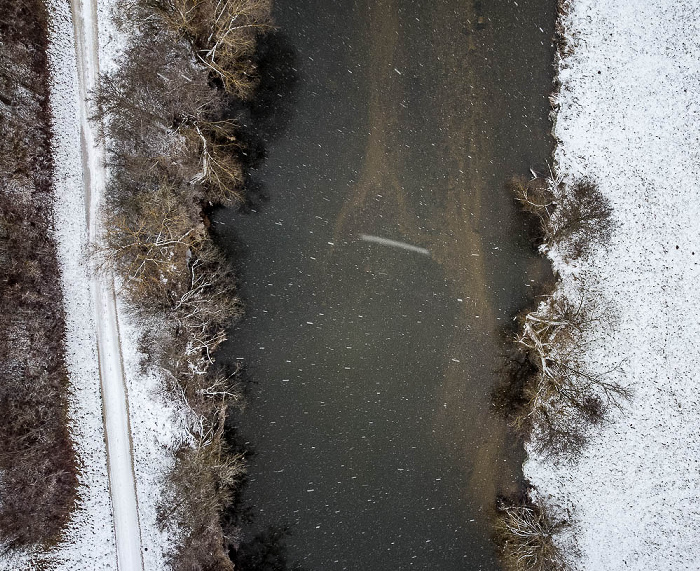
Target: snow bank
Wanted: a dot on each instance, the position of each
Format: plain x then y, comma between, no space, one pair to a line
156,430
628,119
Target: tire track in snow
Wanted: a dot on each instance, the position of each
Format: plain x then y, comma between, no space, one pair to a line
114,396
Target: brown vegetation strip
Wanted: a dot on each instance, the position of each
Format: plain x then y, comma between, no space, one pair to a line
38,480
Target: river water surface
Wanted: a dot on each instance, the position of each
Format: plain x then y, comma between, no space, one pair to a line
370,421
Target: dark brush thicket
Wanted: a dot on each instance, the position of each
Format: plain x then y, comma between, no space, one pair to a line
175,151
38,480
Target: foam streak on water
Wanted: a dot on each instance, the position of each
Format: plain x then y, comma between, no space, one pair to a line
394,244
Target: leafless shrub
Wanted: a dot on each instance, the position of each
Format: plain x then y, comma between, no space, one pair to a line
524,533
158,88
164,120
220,170
201,485
149,243
196,327
535,196
576,217
550,393
583,219
170,267
223,34
207,306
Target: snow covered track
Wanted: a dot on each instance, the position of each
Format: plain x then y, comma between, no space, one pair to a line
114,397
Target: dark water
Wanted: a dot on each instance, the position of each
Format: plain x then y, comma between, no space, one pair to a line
370,419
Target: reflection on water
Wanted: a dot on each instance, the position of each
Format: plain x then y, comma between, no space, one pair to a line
373,362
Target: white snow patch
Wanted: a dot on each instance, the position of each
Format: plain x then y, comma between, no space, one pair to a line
113,41
158,426
629,119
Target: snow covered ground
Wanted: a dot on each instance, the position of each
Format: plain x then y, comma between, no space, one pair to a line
109,530
630,119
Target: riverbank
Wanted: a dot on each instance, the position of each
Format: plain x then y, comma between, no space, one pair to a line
174,150
626,117
146,410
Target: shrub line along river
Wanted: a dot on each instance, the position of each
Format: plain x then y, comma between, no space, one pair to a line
397,122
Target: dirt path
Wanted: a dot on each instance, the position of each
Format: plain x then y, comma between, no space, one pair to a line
114,397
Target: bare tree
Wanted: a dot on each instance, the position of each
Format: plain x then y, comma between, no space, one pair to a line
204,310
575,217
536,196
150,244
583,219
218,147
158,88
565,397
201,485
164,120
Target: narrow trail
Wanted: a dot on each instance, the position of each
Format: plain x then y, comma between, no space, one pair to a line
114,397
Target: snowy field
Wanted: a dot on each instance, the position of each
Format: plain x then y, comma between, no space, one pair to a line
629,119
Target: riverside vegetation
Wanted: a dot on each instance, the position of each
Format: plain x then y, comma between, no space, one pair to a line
551,395
174,152
38,472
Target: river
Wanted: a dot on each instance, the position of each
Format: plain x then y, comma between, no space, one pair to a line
369,419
